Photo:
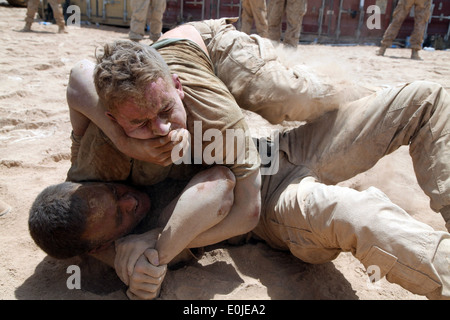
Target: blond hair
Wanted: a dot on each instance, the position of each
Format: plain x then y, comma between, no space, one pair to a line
124,70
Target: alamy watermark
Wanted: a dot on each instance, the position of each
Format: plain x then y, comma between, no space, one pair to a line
74,20
374,20
74,280
373,272
231,147
374,275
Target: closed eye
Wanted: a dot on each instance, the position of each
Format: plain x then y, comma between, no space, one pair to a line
143,124
167,108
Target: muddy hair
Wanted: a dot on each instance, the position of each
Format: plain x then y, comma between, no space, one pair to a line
123,70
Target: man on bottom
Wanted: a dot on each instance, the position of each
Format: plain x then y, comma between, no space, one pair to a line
303,213
73,219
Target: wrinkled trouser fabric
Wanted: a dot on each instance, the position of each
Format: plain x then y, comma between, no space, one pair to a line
316,220
390,114
260,82
295,10
32,8
254,11
146,11
350,140
421,16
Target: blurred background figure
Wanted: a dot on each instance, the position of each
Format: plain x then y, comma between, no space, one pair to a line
421,15
32,8
146,12
254,11
295,10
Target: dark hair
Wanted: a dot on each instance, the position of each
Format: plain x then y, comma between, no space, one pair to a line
57,220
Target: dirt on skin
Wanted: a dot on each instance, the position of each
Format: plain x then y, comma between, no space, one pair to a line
35,152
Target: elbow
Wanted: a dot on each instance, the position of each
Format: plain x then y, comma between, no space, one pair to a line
225,182
77,75
252,200
216,188
80,88
252,216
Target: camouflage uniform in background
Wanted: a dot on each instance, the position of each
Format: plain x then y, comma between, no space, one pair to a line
254,11
146,11
32,8
421,16
295,10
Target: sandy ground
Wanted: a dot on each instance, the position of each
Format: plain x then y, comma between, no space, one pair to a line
35,149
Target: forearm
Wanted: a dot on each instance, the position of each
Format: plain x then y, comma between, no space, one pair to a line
204,203
84,104
242,218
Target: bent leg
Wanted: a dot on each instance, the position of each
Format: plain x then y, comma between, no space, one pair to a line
81,95
317,222
261,82
348,141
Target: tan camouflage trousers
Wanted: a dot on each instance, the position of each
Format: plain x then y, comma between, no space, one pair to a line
146,12
295,10
254,11
32,8
317,220
421,16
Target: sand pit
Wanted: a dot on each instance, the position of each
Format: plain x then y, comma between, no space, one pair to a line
35,152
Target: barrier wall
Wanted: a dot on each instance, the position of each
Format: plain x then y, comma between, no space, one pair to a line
325,20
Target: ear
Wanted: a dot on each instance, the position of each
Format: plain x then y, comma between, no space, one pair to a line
178,86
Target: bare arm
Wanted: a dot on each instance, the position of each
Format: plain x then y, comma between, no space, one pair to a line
191,224
215,199
204,203
185,231
83,101
243,216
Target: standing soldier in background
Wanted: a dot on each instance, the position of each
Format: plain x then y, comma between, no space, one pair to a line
32,8
421,16
146,11
254,10
295,10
